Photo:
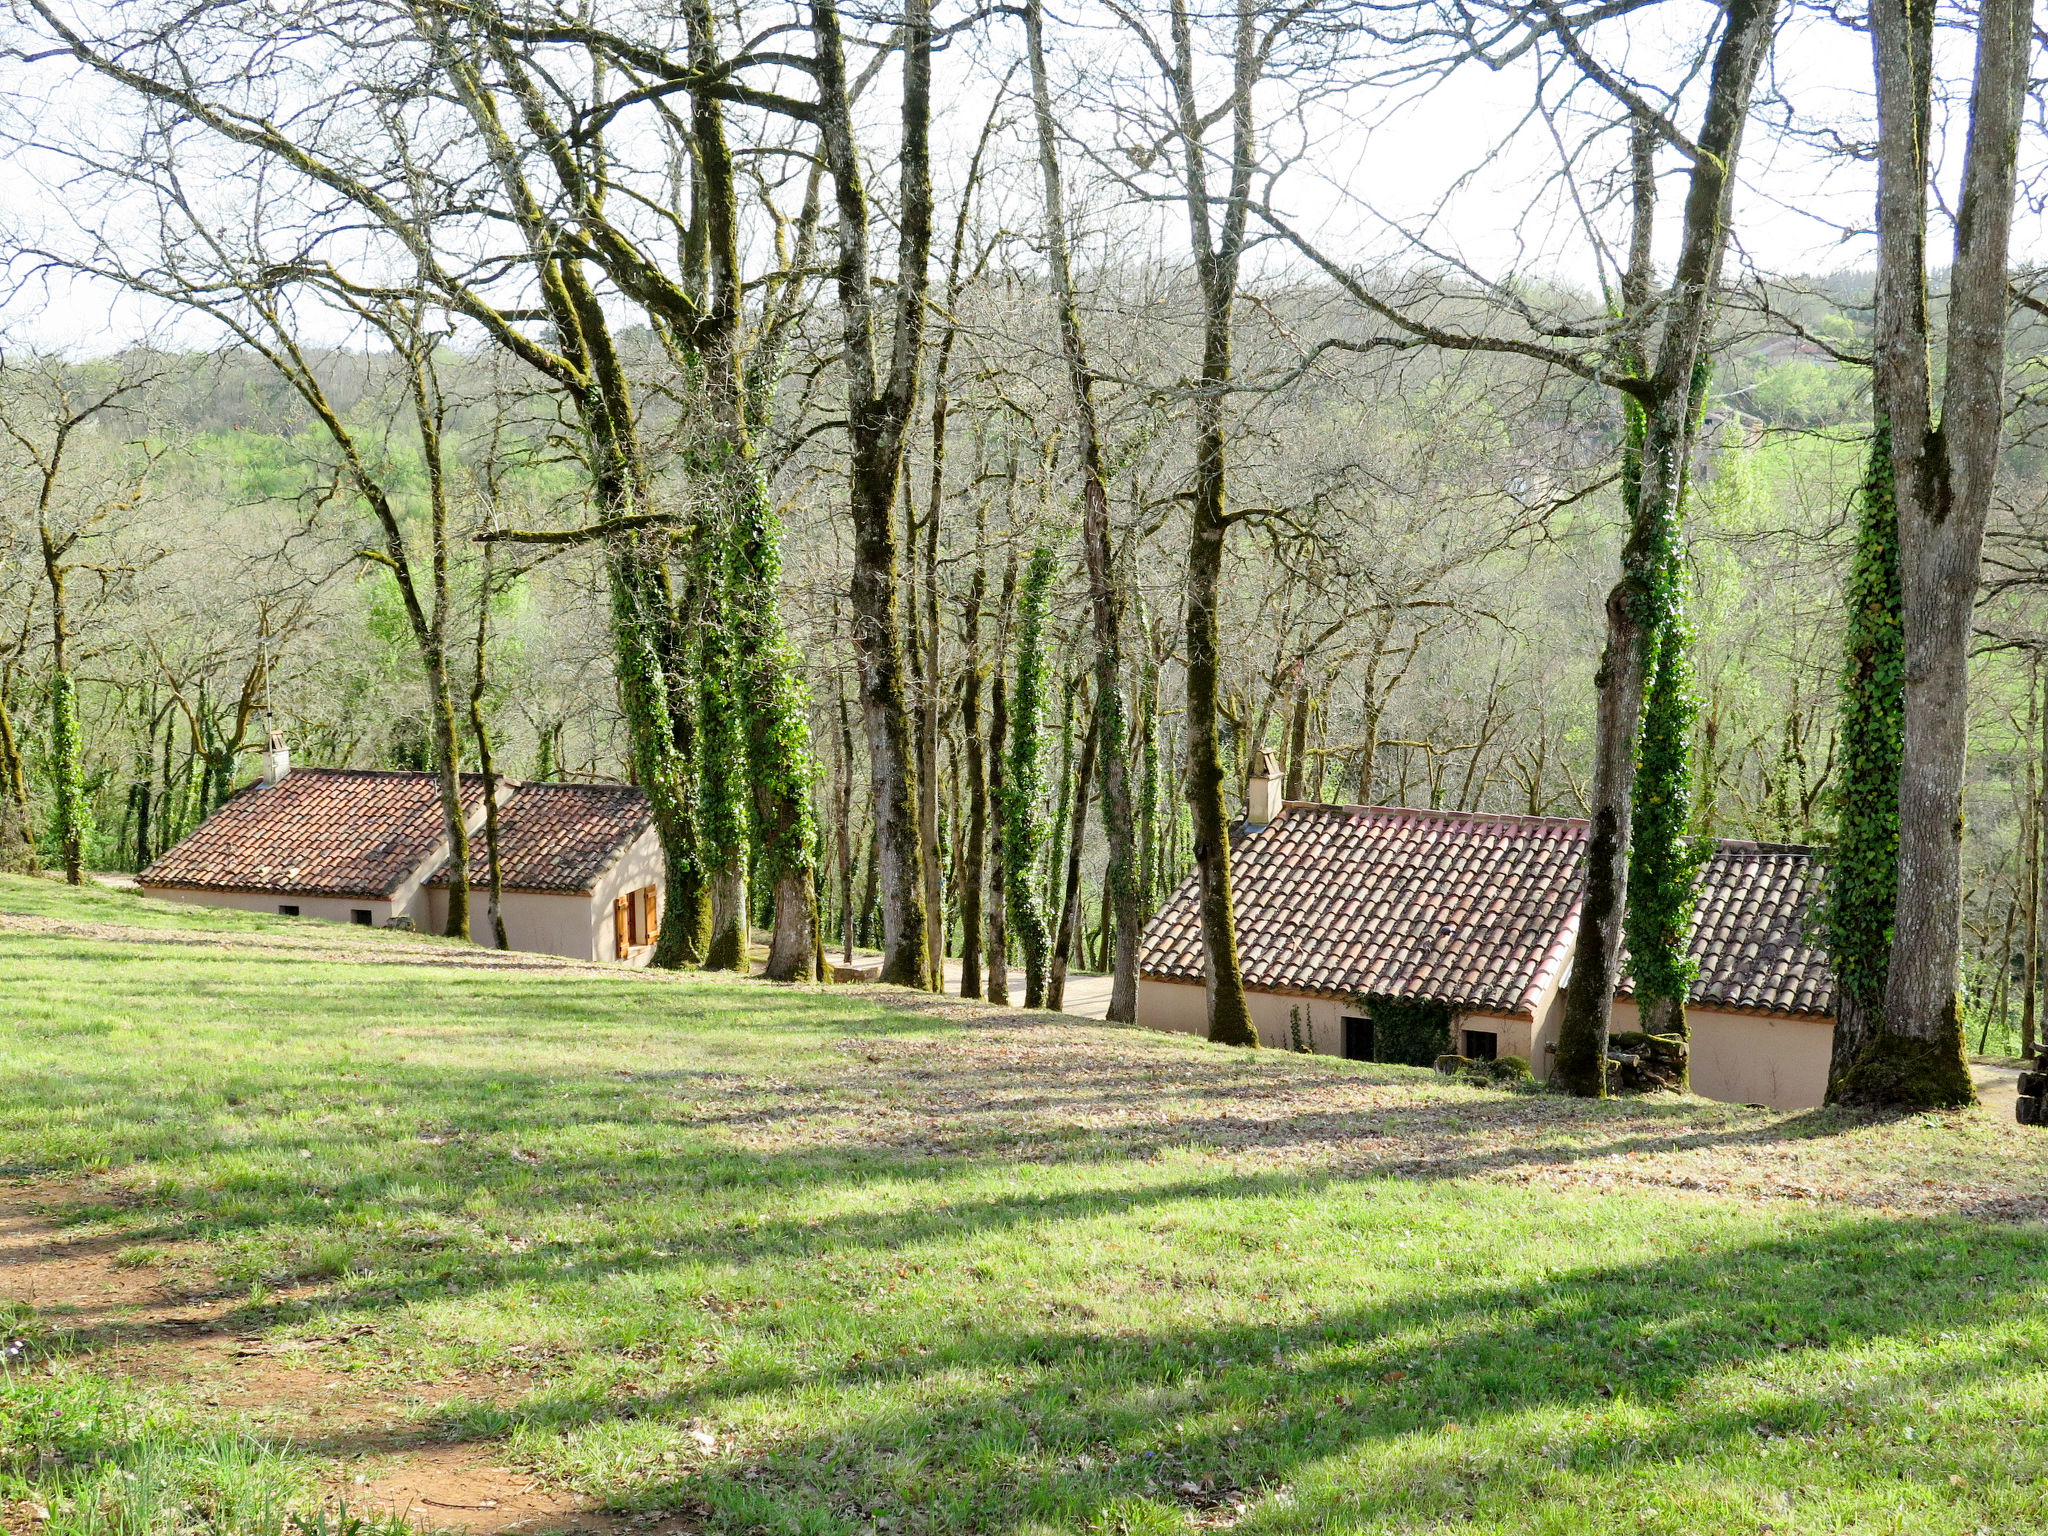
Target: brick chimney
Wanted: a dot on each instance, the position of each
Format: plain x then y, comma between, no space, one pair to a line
1262,794
277,759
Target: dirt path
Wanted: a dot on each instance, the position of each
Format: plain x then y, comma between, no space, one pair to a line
93,1295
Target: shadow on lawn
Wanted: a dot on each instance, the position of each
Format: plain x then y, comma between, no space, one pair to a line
994,1427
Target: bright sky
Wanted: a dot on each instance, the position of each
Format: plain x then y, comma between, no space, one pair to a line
1461,165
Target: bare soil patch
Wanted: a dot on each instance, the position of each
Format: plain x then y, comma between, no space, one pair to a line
133,1324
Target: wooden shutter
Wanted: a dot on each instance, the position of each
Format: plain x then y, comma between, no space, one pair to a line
650,900
621,928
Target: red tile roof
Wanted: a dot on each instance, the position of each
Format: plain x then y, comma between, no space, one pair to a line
316,832
1756,934
559,837
1478,911
1362,901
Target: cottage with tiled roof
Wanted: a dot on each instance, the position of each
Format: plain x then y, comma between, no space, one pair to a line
1348,912
580,865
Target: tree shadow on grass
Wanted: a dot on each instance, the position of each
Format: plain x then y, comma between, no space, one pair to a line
1579,1386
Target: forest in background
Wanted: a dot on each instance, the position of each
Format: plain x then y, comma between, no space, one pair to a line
420,501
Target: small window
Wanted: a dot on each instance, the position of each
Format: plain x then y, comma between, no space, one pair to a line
360,916
1357,1039
287,911
1482,1044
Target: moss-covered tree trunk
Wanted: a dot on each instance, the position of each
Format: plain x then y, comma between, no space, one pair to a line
17,825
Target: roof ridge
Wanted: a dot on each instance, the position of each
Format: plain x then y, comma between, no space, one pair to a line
1752,845
1487,817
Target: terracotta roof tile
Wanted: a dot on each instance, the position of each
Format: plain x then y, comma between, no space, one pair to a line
1477,910
1358,901
316,832
1756,935
559,837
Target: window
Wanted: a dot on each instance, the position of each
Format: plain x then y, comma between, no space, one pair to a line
1357,1039
1482,1044
360,916
287,911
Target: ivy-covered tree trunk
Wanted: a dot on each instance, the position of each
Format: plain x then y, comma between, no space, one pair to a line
973,872
71,812
1070,883
722,772
1666,392
1863,874
1024,827
1942,479
17,826
1664,855
779,759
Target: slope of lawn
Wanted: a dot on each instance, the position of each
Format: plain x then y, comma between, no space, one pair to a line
770,1259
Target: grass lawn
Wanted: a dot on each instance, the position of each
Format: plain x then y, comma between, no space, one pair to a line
298,1217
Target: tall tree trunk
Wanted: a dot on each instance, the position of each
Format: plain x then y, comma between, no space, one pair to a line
479,727
845,819
17,824
996,983
2037,848
71,812
973,873
1121,874
1863,882
1942,478
878,408
1666,399
2030,884
1217,250
1070,895
1024,779
1295,780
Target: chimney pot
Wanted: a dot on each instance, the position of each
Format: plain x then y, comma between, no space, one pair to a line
277,759
1262,793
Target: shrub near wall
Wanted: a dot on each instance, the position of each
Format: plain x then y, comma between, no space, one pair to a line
1409,1032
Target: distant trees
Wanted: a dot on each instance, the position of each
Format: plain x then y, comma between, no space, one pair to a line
648,298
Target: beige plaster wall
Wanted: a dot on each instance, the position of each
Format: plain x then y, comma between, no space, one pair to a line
1753,1058
1183,1007
1174,1005
333,909
554,923
641,864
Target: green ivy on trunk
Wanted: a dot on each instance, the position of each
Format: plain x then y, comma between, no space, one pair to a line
71,812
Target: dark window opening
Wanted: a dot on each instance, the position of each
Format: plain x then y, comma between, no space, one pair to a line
284,911
1357,1039
1482,1044
360,916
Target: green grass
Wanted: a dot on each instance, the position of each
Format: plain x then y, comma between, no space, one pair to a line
791,1261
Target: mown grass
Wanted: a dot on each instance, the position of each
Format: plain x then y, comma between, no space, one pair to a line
659,1197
